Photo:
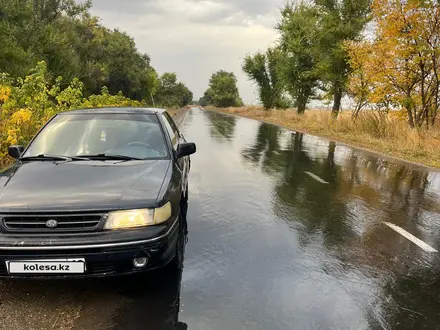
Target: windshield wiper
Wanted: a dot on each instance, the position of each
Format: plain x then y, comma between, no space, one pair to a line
109,157
52,157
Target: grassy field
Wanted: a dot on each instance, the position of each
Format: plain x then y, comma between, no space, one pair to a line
387,135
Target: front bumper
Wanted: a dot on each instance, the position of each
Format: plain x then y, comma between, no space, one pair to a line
104,257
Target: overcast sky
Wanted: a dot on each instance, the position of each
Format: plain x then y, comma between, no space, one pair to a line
195,38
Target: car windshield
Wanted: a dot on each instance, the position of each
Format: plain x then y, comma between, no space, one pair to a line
131,135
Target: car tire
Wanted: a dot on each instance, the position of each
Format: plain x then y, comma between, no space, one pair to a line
185,198
184,204
177,262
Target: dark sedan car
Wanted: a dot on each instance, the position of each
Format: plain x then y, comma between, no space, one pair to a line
96,192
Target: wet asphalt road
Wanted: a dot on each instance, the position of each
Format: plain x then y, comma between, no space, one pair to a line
286,231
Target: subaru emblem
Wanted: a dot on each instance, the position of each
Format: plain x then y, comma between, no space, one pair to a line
51,223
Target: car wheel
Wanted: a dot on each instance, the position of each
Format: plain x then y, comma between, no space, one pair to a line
185,198
177,262
184,206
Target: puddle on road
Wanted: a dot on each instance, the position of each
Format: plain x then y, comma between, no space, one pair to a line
272,248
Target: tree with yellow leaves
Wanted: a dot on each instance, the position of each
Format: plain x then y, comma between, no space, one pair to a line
401,64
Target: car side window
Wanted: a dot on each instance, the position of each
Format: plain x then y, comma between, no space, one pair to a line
172,123
170,130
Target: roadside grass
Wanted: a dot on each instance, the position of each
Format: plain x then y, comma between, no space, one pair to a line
385,134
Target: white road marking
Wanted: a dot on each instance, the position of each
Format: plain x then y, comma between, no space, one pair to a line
411,237
317,178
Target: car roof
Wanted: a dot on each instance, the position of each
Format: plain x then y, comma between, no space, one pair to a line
114,110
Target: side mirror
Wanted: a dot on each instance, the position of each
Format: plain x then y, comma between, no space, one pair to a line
15,151
185,149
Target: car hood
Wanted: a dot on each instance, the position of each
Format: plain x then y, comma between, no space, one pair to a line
45,186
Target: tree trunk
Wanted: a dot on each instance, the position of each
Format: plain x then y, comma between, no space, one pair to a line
301,108
301,104
337,99
303,99
436,89
410,117
409,108
356,111
424,113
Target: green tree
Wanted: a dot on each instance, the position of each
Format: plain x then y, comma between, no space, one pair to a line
24,25
14,58
223,91
205,100
171,93
36,30
298,31
153,83
263,69
339,21
127,69
74,45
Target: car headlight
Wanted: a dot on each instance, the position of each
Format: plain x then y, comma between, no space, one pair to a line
138,218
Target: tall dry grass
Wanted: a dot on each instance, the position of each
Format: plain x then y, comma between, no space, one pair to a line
386,134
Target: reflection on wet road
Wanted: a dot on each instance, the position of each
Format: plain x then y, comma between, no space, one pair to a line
286,231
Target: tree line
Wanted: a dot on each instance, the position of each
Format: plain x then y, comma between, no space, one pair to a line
309,60
74,45
325,51
321,53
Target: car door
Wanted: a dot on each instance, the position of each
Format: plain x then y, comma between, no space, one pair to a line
176,138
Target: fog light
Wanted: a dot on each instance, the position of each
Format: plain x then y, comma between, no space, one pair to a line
140,262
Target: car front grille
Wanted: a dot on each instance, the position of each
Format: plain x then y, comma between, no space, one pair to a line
52,223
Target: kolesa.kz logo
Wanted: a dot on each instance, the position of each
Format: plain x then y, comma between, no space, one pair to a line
36,267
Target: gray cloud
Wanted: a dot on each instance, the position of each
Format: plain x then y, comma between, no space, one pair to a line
126,6
195,38
222,9
255,8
